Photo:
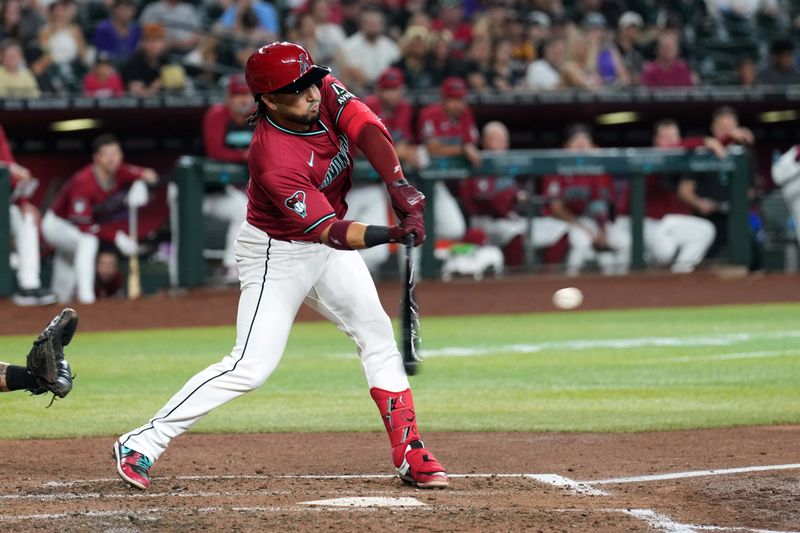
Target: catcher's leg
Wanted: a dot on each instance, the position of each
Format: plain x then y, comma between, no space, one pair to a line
13,377
346,295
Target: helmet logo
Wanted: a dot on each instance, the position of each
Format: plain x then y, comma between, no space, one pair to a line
304,63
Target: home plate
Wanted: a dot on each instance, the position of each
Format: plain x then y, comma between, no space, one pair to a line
376,501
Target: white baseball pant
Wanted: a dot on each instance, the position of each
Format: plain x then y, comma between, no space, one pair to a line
677,240
276,278
447,215
26,237
545,231
791,193
74,264
581,250
368,203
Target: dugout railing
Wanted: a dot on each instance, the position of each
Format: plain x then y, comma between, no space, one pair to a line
193,173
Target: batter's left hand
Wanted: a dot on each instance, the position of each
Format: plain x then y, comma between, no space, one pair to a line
416,225
406,200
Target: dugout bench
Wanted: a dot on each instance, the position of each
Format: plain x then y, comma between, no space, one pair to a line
192,173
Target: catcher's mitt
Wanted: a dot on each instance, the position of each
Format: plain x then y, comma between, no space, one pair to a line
46,359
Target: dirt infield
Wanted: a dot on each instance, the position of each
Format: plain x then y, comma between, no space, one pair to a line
735,480
260,483
514,294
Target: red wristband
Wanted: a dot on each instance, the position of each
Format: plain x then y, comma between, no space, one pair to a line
337,235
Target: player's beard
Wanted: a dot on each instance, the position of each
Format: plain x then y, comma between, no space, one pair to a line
308,119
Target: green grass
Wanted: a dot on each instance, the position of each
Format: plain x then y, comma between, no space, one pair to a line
526,373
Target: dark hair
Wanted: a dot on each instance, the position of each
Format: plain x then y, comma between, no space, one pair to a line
665,123
103,140
781,45
575,129
722,111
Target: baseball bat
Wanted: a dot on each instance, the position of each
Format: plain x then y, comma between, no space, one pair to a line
134,276
409,313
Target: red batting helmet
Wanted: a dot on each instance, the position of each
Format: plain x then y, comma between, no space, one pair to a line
282,67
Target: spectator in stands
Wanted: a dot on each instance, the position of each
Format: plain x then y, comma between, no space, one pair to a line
150,70
627,44
746,71
16,80
610,66
369,52
451,18
537,35
415,59
668,70
523,42
504,73
118,36
475,67
303,31
60,67
545,73
707,196
103,81
493,202
180,20
330,36
20,21
448,130
580,67
672,235
244,38
265,13
440,63
78,218
584,203
24,230
782,68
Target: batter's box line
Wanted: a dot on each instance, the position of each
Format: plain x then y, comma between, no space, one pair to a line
661,522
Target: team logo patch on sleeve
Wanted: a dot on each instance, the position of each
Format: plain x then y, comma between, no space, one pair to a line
342,94
297,203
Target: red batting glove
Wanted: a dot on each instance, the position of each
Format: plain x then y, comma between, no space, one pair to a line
413,225
406,200
416,225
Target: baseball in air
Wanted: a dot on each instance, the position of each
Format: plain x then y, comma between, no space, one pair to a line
567,298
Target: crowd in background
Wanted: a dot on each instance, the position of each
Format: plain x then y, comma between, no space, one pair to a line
110,47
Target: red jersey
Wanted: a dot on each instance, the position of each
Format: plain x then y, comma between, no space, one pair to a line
397,121
677,75
86,203
436,125
94,86
661,198
489,196
224,138
298,180
579,193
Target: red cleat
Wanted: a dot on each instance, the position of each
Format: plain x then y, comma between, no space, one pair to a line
132,466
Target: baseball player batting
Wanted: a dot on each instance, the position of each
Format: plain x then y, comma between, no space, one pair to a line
296,248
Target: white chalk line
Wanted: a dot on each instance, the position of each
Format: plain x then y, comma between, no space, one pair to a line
725,356
164,510
576,487
722,339
695,473
664,523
